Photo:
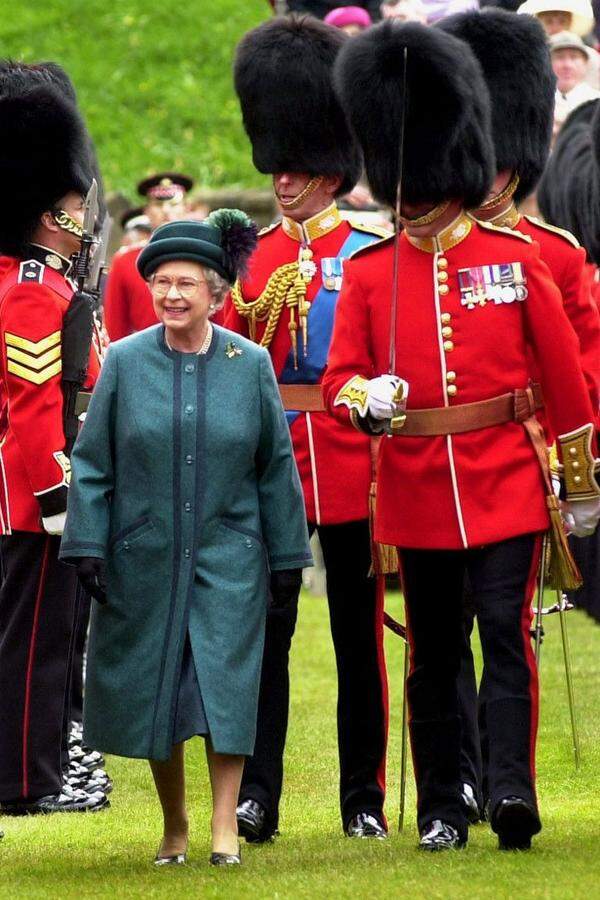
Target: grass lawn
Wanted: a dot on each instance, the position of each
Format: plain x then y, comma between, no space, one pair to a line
108,855
154,80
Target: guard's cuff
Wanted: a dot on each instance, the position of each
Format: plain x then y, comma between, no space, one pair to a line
366,424
579,469
53,502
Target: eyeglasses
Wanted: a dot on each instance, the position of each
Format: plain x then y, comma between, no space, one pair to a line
160,286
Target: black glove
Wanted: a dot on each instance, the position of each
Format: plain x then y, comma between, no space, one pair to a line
91,572
285,587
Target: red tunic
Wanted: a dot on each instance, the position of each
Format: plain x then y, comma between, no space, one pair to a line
33,301
333,459
465,490
566,261
127,302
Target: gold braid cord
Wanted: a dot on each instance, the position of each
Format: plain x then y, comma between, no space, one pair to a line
285,286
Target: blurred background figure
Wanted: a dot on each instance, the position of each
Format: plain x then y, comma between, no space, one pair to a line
321,8
136,227
351,19
127,303
571,63
561,15
404,10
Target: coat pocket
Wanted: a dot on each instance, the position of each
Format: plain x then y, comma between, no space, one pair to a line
241,529
124,538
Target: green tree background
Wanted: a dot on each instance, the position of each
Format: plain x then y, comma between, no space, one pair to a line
154,80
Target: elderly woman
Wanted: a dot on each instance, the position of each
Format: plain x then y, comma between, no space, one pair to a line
184,508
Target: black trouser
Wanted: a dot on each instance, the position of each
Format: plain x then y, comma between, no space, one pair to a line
37,611
502,579
356,617
473,751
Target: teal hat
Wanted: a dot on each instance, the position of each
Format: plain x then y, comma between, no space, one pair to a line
223,242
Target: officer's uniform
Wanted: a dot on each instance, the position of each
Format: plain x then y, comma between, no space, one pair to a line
334,463
127,301
287,302
461,489
38,593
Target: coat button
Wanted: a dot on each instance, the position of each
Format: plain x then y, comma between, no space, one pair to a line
443,289
125,545
442,262
189,368
450,377
187,552
447,331
448,346
248,543
442,276
189,459
445,318
452,390
187,507
189,409
573,451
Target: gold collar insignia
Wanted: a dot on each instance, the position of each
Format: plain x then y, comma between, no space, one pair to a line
313,228
447,238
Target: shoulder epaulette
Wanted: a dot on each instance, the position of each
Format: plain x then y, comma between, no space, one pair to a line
500,229
374,246
268,228
561,232
370,228
31,270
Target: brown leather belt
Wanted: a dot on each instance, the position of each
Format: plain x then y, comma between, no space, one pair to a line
514,407
302,397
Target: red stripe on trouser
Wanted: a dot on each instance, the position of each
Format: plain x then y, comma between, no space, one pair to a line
411,665
379,611
526,619
30,662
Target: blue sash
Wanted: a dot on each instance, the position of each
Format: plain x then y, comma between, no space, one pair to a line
320,321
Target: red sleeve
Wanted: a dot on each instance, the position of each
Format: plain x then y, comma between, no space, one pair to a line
116,305
350,349
31,332
585,318
556,348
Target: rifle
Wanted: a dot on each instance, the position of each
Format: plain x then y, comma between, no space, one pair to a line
78,323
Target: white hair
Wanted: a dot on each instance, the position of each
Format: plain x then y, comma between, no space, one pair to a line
218,287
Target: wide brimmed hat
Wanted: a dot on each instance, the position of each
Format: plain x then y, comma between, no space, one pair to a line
582,14
44,154
283,78
224,242
514,57
448,152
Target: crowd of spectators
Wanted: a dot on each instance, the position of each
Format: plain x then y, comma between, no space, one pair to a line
571,25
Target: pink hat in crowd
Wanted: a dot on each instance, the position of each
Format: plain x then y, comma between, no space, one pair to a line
348,15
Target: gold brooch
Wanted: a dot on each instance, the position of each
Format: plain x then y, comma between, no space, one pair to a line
232,350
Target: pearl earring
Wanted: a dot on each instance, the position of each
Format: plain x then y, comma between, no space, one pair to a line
211,305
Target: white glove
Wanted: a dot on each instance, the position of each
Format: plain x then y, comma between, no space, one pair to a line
380,396
54,524
581,516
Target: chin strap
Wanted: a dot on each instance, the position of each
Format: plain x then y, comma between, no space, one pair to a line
67,223
427,218
503,196
304,194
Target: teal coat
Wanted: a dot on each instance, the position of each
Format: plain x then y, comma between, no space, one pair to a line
184,481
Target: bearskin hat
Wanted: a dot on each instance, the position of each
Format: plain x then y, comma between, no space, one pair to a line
23,76
44,154
283,78
514,56
447,144
569,191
